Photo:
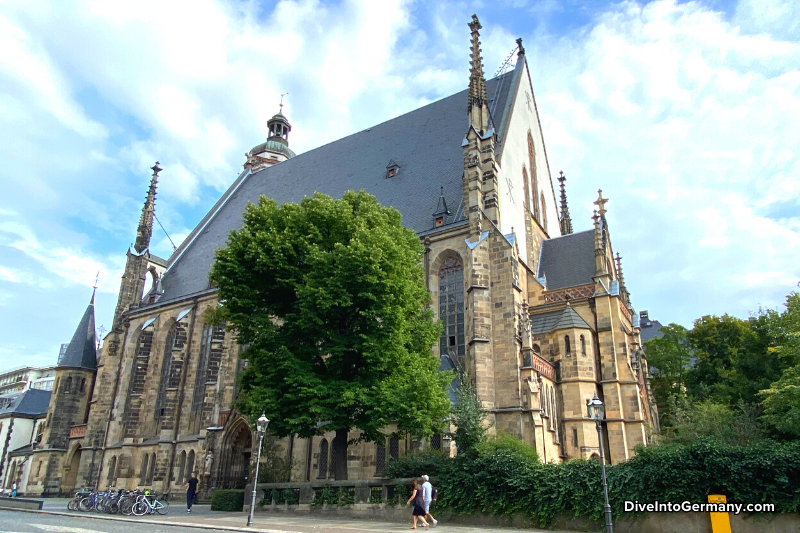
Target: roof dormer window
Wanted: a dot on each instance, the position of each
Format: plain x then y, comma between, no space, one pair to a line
392,169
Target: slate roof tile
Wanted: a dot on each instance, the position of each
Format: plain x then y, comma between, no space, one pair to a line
425,143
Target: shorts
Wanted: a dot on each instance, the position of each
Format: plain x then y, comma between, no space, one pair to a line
427,506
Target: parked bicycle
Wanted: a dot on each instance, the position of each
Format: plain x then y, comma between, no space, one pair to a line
148,504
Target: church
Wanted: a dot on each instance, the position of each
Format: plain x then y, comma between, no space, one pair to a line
536,313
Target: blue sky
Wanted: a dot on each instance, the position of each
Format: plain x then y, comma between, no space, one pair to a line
685,114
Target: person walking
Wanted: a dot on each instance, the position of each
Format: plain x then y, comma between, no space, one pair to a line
418,512
14,490
427,498
191,491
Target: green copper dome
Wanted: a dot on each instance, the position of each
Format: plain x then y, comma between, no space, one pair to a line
273,146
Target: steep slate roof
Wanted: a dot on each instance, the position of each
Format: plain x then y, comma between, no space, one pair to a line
651,330
565,319
82,349
30,404
425,143
568,261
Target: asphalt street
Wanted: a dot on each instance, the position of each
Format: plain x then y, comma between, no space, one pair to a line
16,522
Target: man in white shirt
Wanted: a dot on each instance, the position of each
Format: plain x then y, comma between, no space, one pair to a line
427,497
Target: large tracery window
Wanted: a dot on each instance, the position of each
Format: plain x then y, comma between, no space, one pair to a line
534,179
451,307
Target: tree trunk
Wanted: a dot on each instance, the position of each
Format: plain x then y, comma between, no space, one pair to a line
340,451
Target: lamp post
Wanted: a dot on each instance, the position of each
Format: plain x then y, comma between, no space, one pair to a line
597,412
261,427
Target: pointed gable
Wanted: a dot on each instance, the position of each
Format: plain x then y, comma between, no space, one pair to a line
82,349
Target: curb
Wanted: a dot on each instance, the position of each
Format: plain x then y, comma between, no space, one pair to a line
137,521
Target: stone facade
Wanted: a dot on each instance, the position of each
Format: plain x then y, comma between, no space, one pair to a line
537,343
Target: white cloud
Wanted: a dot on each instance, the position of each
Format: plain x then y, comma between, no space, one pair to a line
688,123
66,265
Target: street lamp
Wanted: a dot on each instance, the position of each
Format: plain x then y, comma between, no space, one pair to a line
597,412
261,427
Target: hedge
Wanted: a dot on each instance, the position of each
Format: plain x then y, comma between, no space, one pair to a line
227,500
504,481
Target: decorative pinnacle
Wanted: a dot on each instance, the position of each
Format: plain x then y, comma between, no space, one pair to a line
601,202
281,104
521,48
145,230
566,220
477,83
94,288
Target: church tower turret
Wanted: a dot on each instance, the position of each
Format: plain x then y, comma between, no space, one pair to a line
276,148
480,166
131,289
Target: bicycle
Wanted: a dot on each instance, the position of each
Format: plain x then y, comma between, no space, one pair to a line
144,506
73,504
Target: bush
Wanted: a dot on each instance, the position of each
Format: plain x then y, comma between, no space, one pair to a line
431,462
227,500
502,478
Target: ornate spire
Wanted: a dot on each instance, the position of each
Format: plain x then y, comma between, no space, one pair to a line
521,48
601,203
621,278
94,288
145,230
477,104
566,221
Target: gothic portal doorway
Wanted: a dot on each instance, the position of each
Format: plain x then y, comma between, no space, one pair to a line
236,451
71,476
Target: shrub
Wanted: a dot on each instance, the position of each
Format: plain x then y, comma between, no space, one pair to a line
227,500
431,462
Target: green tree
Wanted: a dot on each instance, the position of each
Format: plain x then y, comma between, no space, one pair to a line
732,362
330,300
469,417
782,403
670,359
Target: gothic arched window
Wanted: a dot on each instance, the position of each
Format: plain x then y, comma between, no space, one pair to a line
451,307
152,471
181,467
567,349
534,179
544,213
112,472
323,460
583,345
68,385
143,473
190,464
527,189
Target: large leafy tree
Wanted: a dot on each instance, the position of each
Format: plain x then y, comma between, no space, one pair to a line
670,359
330,300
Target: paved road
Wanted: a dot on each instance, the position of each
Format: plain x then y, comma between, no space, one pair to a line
15,522
203,517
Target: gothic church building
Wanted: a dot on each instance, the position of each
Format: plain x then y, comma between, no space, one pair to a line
537,314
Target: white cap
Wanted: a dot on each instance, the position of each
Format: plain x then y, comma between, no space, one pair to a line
425,477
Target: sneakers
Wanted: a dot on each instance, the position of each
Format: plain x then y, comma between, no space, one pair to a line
434,522
188,510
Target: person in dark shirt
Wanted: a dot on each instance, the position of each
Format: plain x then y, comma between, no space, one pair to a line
191,490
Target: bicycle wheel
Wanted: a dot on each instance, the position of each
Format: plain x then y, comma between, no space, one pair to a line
162,507
140,508
100,505
126,506
86,504
72,505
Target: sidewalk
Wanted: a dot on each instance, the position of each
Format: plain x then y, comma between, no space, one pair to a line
202,517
